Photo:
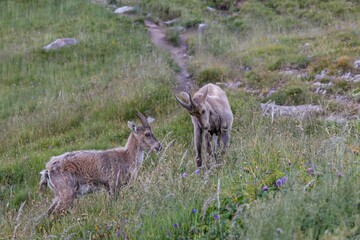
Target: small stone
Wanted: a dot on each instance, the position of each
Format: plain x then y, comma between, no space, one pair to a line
61,42
202,26
210,9
357,64
320,76
170,22
124,9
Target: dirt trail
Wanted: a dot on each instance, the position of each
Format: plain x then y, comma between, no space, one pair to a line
179,54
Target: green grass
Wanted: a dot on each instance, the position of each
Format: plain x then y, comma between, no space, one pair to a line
80,97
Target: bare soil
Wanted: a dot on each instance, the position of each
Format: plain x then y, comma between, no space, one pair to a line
178,54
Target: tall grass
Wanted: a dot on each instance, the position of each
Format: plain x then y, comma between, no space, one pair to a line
75,97
80,97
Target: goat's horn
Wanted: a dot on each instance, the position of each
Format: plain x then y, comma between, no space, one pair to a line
191,101
185,105
143,119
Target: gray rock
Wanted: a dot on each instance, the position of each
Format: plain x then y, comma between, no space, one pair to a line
298,112
202,26
357,78
124,9
171,22
341,120
211,9
347,76
61,42
357,64
320,76
233,85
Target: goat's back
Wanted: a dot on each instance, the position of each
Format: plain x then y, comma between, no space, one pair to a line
89,164
213,91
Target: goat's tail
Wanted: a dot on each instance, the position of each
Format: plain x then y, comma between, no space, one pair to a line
43,180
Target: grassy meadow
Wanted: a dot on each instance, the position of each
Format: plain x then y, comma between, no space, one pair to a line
81,96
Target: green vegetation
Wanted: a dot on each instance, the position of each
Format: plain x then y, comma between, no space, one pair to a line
80,97
211,75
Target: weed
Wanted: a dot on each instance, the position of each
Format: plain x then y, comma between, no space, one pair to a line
296,94
344,64
173,36
211,75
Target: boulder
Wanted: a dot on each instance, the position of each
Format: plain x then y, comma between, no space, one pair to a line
298,112
124,9
202,26
357,64
61,42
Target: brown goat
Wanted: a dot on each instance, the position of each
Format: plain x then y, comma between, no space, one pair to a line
80,172
210,114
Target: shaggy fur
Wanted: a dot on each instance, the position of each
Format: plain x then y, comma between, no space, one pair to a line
81,172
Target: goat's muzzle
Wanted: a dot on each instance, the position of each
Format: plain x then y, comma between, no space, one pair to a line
156,147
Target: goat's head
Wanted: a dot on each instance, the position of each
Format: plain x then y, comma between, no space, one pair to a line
144,134
197,107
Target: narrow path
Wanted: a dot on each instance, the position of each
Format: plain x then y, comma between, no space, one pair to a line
178,54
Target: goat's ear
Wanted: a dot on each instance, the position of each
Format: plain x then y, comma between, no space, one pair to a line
150,120
203,97
132,126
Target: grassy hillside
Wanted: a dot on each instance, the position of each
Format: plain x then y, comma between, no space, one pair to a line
81,96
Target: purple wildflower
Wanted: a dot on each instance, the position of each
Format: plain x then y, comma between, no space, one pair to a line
264,188
279,183
217,217
197,171
284,179
194,210
340,175
184,175
108,227
310,171
175,225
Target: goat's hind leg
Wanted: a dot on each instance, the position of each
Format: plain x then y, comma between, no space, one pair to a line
225,138
65,200
53,205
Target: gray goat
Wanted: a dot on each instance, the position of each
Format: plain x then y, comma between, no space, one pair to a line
210,113
80,172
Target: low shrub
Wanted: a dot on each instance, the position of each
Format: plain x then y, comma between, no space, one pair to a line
173,36
211,75
344,64
291,95
220,4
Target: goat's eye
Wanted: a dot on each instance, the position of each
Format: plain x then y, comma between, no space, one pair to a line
147,134
203,111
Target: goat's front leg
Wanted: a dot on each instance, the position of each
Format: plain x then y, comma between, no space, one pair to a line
208,146
53,205
216,146
198,143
